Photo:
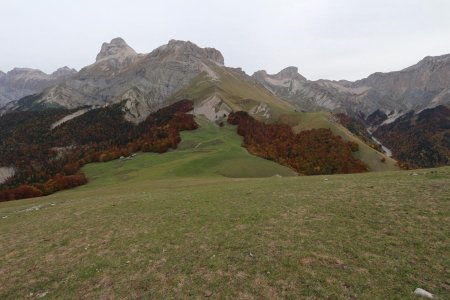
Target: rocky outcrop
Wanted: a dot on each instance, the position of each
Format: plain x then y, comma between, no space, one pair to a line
304,94
21,82
116,48
212,108
424,85
137,106
5,173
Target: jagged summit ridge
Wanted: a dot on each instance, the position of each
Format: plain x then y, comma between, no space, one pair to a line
185,50
116,48
436,59
289,72
64,71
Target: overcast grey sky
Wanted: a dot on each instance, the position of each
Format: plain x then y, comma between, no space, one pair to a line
333,39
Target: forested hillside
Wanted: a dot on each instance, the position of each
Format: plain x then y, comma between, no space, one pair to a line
421,140
47,160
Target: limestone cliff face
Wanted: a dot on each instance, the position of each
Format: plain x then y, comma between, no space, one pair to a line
424,85
21,82
144,81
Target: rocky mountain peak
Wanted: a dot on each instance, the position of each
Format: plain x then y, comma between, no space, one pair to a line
430,62
64,71
186,50
437,59
116,48
290,73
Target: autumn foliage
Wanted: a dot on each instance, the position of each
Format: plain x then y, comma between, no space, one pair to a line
419,140
50,160
309,152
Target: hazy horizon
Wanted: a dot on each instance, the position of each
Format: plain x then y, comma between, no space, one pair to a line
324,39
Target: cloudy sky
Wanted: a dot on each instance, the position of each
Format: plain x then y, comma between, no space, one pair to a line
333,39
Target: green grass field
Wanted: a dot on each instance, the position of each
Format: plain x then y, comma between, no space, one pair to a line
165,226
208,152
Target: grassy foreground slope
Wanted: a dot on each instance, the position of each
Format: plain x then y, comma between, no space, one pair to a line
137,234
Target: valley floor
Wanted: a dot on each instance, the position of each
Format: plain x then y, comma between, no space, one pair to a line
366,236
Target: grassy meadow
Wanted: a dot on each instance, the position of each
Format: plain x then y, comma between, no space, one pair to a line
193,223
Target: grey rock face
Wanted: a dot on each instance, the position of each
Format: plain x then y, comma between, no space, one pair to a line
426,84
64,73
117,47
185,51
5,173
306,95
21,82
144,81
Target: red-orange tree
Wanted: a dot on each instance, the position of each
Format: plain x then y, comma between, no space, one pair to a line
310,152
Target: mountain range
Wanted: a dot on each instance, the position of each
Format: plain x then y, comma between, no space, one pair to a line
146,81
